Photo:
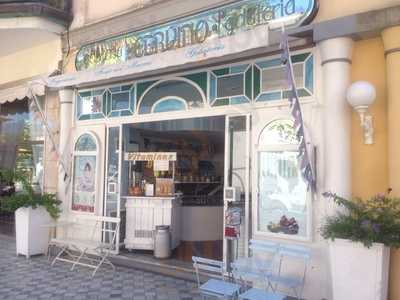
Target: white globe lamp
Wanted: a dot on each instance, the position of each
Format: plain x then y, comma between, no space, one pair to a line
361,95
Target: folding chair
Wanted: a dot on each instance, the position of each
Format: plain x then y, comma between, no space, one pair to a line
260,263
76,248
292,271
255,293
218,288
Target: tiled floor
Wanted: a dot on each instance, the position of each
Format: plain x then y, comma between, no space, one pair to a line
36,279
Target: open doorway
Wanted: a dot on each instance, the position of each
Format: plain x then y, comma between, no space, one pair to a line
196,173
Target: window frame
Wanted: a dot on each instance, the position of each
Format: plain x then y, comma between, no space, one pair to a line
258,149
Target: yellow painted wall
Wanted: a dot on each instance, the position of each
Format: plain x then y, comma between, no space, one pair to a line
370,162
391,38
331,9
30,62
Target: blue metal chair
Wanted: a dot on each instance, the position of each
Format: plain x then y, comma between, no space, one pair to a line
258,294
239,272
218,288
293,265
259,264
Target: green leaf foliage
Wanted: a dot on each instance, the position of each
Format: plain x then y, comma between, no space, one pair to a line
27,197
375,220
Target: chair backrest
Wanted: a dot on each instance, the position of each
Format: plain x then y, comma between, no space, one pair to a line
208,267
295,251
294,261
263,246
96,229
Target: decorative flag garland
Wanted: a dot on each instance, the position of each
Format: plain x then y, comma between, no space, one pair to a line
306,165
60,157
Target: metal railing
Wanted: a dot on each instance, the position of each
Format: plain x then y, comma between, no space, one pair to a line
62,5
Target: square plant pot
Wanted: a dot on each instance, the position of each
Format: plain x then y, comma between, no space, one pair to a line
32,237
358,272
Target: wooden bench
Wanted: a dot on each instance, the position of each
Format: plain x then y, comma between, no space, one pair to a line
87,241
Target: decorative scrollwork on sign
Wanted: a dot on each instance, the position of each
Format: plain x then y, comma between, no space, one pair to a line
228,20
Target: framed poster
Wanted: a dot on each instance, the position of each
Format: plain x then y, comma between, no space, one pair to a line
84,186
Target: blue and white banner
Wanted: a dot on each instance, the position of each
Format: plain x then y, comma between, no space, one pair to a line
305,155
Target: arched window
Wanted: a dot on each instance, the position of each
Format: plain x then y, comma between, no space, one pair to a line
171,95
283,202
84,174
169,104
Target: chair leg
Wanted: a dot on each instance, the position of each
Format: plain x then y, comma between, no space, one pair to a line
59,254
78,259
103,259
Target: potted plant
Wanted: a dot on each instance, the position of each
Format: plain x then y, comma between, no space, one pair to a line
361,235
32,212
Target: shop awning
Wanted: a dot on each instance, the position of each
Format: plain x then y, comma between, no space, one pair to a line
20,91
213,48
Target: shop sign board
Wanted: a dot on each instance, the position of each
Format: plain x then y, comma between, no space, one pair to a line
227,20
150,156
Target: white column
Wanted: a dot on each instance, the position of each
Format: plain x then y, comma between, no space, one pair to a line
336,57
66,115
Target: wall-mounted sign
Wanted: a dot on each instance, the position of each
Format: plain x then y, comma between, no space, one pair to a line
150,156
224,21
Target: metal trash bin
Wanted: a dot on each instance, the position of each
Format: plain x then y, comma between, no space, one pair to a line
162,242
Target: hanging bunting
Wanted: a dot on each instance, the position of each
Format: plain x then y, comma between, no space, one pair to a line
306,165
63,162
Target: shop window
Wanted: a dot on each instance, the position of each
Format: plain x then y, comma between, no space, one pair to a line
270,81
171,95
231,85
121,101
283,202
22,140
91,105
84,175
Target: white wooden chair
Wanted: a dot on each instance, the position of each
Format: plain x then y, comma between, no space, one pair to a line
218,288
90,249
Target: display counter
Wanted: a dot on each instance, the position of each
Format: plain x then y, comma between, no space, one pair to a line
143,214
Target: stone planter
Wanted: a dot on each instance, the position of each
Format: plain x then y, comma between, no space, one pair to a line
32,237
359,273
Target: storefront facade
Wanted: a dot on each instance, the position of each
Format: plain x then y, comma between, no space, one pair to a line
114,90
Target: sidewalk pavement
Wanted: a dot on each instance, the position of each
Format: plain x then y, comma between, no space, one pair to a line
31,279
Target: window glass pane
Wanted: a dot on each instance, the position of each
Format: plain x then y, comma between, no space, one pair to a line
22,139
86,143
275,79
84,196
120,101
179,89
231,85
279,132
112,173
169,105
90,105
282,206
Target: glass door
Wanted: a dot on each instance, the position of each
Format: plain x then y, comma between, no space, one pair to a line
112,203
237,197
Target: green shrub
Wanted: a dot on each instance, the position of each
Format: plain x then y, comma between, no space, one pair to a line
27,197
375,220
